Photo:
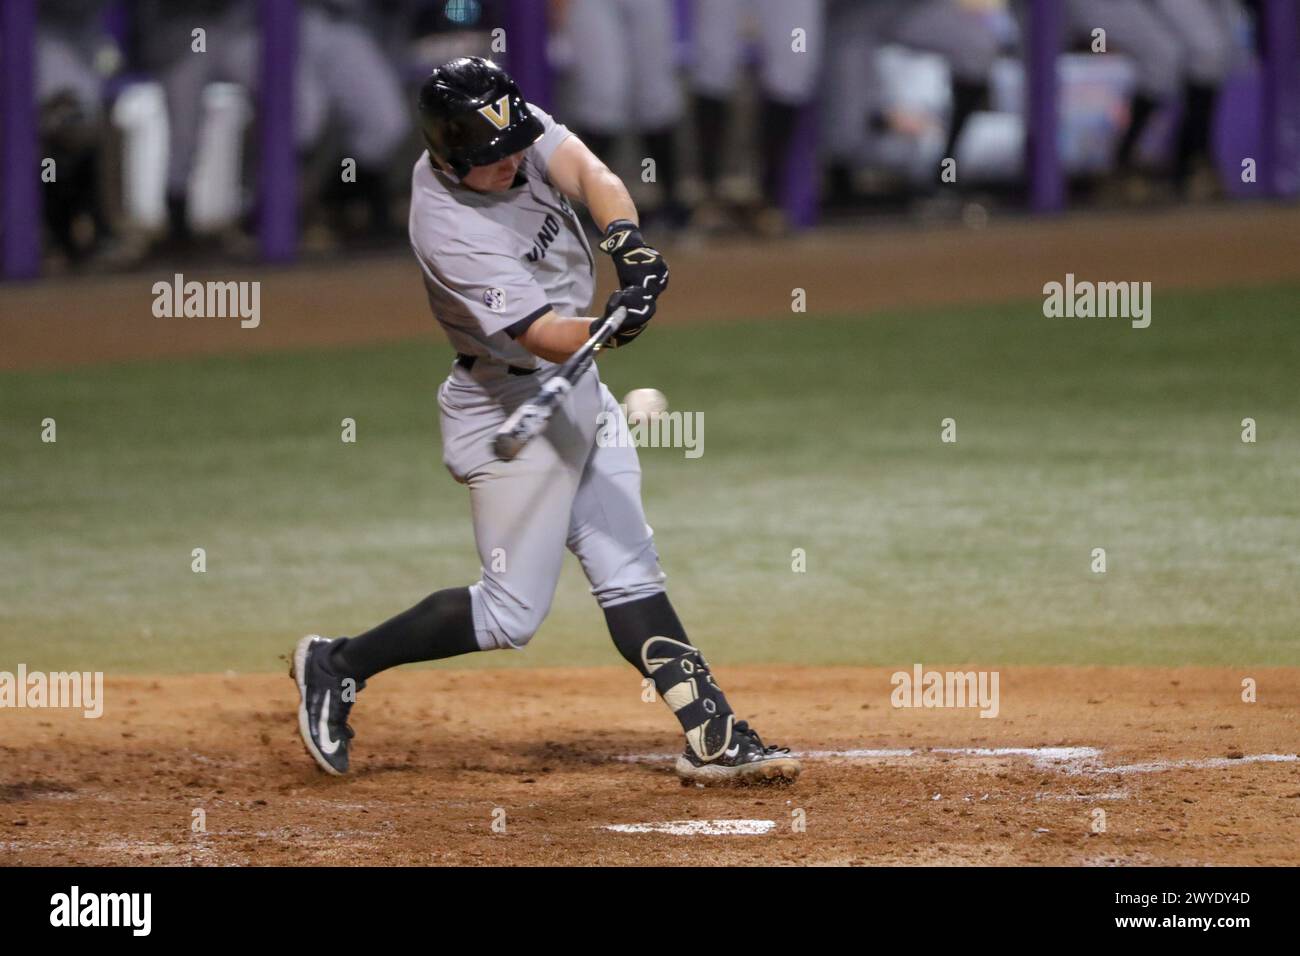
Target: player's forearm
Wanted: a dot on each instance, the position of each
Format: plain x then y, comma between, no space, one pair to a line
606,197
555,337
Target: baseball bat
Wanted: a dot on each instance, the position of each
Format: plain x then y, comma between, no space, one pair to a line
530,418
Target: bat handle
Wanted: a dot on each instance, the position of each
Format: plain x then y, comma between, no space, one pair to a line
610,327
530,418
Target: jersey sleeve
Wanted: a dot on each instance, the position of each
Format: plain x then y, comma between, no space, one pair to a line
553,134
480,280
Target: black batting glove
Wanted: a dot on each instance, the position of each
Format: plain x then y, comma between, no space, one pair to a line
640,305
637,263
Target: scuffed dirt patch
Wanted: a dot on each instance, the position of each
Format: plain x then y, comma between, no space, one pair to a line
441,755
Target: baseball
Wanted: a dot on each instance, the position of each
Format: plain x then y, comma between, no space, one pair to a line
643,404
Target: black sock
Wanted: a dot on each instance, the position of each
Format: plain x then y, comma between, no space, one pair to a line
967,98
1142,109
442,625
633,623
839,183
178,223
1197,125
711,114
373,181
776,128
661,146
651,638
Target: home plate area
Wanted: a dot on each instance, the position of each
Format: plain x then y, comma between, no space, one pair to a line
509,766
1086,762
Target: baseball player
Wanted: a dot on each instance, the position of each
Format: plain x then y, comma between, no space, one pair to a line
1185,46
509,276
626,80
69,90
341,71
787,81
958,30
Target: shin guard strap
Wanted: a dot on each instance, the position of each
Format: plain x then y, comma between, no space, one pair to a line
682,678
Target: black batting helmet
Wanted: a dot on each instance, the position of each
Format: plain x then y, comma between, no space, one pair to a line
473,114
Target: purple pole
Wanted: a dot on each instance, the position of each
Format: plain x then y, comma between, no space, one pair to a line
1042,160
278,172
19,168
525,26
683,31
1280,160
802,171
117,22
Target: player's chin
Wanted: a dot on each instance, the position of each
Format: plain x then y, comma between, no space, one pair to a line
493,185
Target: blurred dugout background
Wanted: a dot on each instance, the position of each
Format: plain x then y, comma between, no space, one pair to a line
760,116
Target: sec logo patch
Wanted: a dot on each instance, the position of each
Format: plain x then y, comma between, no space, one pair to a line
495,299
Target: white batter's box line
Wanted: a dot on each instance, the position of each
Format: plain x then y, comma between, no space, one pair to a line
697,827
1037,754
1201,763
1084,797
1073,761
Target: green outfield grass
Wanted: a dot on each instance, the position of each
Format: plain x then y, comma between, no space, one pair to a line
821,433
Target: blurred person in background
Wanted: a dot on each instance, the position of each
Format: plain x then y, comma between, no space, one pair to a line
788,73
1207,34
165,43
1179,48
341,74
73,53
356,82
960,31
621,78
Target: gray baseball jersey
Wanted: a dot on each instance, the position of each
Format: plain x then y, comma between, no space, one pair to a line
492,261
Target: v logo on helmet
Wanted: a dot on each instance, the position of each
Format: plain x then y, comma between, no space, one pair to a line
498,115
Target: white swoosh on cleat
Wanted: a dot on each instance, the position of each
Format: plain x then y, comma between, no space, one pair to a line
732,750
327,746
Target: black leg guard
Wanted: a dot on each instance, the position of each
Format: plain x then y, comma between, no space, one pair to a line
442,625
651,638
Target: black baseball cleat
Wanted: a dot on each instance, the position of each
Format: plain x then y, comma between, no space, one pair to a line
324,703
745,760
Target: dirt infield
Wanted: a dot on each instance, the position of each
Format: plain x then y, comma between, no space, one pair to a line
1185,772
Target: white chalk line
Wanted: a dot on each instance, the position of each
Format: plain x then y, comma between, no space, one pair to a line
1084,797
1072,761
1201,763
697,827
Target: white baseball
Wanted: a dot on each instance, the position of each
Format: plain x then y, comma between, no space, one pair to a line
643,404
